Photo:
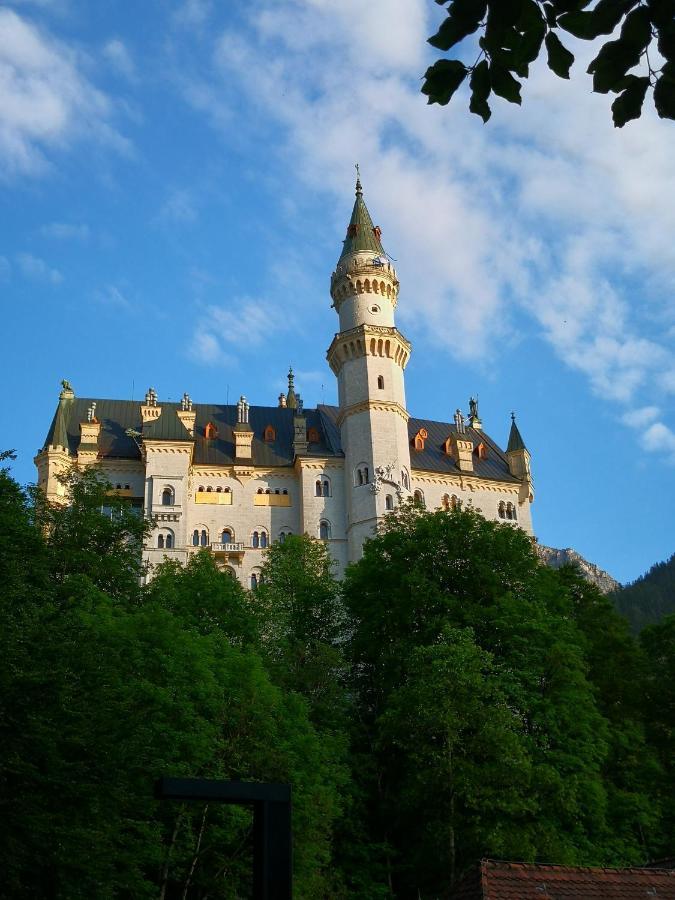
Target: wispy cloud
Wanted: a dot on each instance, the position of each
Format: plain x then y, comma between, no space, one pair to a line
548,212
193,13
36,269
223,333
119,57
179,207
45,100
111,295
65,231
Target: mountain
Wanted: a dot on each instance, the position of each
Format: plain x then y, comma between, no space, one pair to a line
568,557
650,598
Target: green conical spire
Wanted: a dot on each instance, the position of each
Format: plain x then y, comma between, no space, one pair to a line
515,440
58,433
361,234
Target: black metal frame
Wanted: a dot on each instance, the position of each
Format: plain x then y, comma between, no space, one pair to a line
272,836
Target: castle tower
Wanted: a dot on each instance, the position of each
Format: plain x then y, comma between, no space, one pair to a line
368,356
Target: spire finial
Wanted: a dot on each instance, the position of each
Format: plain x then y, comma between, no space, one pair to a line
291,400
513,416
359,189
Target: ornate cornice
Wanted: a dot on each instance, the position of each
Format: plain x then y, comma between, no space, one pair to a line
368,340
464,482
367,405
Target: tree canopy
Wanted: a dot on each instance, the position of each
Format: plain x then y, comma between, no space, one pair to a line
515,33
451,698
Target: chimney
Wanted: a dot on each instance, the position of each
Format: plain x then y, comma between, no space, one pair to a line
186,414
149,409
243,434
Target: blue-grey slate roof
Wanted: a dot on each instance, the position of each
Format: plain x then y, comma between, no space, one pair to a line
118,416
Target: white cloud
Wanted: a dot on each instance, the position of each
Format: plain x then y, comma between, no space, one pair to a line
659,438
111,295
36,269
45,101
641,417
547,211
222,333
193,13
179,207
65,231
117,54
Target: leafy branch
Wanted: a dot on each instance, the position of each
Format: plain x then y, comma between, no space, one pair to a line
514,33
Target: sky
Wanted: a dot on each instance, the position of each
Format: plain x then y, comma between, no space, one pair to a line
176,178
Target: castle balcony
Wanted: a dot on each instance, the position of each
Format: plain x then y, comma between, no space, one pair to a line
228,550
276,499
214,498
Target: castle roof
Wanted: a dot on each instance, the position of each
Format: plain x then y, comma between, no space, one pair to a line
361,234
119,416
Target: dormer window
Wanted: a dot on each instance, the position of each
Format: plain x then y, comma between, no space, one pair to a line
210,432
420,438
481,451
352,230
313,436
447,446
270,435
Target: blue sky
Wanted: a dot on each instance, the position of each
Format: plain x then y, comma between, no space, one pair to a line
176,179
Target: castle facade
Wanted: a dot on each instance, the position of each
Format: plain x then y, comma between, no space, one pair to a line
234,478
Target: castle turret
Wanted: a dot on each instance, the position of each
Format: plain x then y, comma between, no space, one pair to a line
54,459
368,356
519,458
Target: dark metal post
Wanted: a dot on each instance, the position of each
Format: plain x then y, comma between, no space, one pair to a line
272,833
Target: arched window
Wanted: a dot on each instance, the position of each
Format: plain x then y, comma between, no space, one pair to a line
263,540
389,502
169,541
260,491
254,581
420,438
313,436
160,541
284,533
270,434
325,488
285,491
226,536
405,479
445,502
455,502
380,382
200,489
501,510
255,540
209,490
227,490
210,432
318,489
195,538
219,490
324,530
167,496
418,497
204,538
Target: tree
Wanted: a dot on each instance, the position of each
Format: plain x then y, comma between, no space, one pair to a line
304,625
514,33
463,644
107,686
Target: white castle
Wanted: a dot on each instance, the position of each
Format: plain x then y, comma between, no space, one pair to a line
233,479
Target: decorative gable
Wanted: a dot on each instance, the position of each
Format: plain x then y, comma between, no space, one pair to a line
210,432
420,438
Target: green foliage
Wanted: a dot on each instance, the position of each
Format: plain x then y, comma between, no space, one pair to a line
106,686
512,36
453,699
648,599
474,680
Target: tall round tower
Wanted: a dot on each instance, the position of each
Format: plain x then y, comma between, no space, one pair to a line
368,356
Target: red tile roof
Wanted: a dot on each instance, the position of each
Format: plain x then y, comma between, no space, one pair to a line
495,880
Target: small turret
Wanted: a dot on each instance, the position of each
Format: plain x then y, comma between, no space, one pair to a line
243,433
518,457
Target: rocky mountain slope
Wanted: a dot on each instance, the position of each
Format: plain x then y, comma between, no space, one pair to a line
597,576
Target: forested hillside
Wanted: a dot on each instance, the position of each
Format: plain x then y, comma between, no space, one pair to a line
451,699
650,598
